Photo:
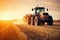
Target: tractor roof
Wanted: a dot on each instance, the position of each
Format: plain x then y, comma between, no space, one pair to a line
39,7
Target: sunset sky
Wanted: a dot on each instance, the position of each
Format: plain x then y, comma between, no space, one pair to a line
16,9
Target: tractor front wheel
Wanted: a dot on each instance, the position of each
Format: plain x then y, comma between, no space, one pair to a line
50,20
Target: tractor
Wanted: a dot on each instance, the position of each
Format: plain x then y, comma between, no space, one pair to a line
40,17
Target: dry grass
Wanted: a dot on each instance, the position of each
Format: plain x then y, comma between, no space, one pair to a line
11,33
49,33
45,33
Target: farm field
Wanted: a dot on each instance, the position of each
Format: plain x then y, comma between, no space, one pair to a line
22,31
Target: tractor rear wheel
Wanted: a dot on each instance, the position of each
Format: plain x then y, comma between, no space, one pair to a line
34,21
29,20
37,21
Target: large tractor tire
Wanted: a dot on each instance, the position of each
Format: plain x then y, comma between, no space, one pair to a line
36,20
39,20
33,20
29,20
50,20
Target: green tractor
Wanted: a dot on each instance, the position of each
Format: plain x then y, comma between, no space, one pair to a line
40,17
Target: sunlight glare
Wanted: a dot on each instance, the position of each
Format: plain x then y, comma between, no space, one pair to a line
5,17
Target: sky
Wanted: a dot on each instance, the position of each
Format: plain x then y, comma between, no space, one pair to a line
14,9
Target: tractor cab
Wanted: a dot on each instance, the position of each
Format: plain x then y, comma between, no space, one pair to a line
39,10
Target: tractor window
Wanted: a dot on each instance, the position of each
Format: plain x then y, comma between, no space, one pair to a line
40,10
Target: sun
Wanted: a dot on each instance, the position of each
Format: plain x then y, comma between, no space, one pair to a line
11,16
